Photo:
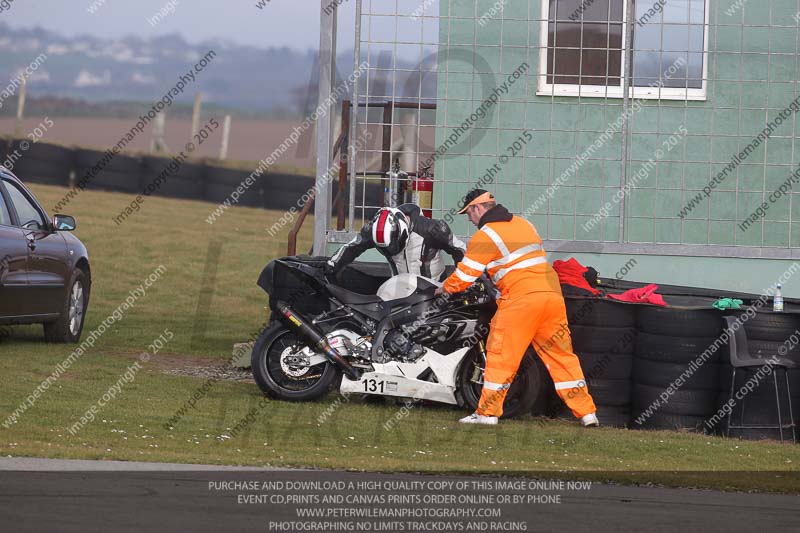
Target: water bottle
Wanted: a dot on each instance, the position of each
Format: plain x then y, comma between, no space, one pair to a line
777,300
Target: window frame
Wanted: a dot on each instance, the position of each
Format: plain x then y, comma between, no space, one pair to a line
608,91
5,204
15,218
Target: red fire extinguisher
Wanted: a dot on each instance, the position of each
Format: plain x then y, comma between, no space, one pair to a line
422,192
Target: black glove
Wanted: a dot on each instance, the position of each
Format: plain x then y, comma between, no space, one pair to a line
489,286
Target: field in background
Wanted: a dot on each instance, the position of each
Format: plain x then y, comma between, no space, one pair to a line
328,434
250,140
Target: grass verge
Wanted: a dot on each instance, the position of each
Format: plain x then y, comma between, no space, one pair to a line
234,425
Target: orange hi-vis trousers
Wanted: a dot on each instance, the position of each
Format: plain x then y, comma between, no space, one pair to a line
538,319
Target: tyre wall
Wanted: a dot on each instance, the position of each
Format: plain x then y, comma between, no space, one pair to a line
674,385
46,163
195,179
768,334
603,338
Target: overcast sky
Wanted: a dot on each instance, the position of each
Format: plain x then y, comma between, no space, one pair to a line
292,23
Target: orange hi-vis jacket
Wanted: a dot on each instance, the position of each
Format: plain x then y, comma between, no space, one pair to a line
512,254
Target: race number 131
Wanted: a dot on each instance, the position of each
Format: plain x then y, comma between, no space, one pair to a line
373,385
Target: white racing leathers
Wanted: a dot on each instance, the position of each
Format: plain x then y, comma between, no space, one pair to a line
422,254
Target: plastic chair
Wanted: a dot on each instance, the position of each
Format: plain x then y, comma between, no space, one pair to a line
740,358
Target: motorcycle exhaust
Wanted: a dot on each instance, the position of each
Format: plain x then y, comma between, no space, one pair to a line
316,338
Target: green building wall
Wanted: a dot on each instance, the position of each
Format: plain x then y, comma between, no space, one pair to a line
752,76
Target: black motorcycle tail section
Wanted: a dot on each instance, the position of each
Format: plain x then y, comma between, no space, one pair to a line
316,338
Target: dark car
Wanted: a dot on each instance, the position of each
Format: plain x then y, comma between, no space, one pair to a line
44,269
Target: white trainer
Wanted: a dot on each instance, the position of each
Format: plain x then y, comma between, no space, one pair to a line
590,420
475,418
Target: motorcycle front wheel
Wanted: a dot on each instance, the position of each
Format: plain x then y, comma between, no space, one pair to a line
281,380
522,394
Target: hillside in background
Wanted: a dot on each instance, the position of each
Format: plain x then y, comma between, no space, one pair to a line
90,76
133,69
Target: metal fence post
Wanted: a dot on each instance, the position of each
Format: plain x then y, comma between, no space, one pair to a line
327,58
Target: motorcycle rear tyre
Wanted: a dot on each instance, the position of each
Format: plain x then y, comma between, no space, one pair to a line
265,348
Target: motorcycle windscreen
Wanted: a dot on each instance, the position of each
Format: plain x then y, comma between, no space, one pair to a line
404,285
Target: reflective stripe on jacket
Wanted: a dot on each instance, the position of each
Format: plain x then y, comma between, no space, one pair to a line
512,254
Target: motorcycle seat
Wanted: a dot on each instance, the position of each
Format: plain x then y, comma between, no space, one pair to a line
349,297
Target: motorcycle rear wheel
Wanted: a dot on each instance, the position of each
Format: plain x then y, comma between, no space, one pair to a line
521,396
282,381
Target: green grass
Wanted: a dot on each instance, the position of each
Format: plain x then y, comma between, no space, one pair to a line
172,233
428,439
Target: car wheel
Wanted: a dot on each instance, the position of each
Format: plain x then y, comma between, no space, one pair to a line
69,325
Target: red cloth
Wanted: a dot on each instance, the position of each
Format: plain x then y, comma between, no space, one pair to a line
571,272
643,295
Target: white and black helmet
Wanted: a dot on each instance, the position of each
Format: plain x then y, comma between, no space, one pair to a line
390,230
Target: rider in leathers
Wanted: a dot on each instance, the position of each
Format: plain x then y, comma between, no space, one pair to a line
410,241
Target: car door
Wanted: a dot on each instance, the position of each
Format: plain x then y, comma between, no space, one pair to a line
13,265
48,263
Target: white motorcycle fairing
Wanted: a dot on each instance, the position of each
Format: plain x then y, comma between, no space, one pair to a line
400,379
396,378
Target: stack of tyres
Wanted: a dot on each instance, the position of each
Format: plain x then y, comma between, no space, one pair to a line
768,334
107,171
162,176
675,374
603,337
42,162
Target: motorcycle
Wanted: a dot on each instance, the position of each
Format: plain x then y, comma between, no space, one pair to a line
402,341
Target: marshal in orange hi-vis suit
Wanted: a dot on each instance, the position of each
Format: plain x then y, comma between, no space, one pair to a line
530,310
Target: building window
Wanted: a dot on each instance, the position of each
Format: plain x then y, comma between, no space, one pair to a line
583,48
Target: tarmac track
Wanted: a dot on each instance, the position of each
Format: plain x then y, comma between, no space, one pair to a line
86,496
